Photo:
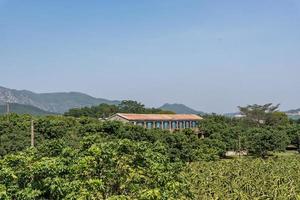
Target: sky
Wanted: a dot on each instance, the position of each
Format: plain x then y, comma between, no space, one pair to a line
212,55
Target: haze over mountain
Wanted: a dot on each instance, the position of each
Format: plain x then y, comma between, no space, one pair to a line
47,103
180,109
51,102
60,102
23,109
295,111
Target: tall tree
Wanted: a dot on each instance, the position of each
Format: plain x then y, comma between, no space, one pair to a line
129,106
259,114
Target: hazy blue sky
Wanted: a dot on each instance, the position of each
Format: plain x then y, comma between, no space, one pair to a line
212,55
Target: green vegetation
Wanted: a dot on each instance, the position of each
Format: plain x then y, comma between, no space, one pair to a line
105,110
261,131
275,178
84,158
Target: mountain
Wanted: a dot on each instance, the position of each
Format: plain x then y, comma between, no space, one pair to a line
63,101
180,109
51,102
293,114
295,111
23,109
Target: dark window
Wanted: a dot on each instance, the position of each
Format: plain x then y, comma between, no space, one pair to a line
158,124
194,124
187,124
149,125
174,125
180,125
166,125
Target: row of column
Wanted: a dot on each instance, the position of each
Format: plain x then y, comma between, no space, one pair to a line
178,124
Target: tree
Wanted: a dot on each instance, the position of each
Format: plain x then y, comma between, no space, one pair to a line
259,114
100,111
129,106
260,141
105,169
105,110
277,119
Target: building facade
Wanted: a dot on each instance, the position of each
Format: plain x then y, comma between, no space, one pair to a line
161,121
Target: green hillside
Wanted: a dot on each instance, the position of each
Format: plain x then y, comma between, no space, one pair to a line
24,109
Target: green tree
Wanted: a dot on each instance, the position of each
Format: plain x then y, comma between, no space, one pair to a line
100,111
104,110
261,141
258,114
129,106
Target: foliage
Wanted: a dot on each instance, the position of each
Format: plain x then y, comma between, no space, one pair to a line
100,111
264,114
274,178
262,141
14,133
106,169
262,130
106,110
84,158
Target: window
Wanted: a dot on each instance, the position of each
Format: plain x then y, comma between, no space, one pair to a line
187,124
158,125
166,125
194,125
174,125
180,125
149,125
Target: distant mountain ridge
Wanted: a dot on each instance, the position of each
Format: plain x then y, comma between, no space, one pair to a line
294,111
51,102
23,109
61,102
180,109
294,114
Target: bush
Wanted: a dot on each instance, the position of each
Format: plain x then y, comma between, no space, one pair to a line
261,141
134,170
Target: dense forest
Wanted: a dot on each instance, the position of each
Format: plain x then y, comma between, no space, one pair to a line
81,157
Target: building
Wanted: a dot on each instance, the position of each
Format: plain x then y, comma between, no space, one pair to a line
160,121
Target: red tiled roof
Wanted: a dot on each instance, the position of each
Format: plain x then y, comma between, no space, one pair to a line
158,117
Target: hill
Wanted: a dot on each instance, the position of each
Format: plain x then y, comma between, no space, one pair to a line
51,102
61,102
294,111
180,109
293,114
24,109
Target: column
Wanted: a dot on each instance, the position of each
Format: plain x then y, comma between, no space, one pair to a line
145,124
170,125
